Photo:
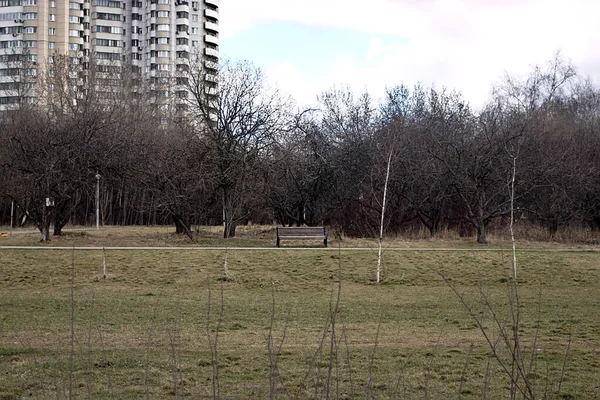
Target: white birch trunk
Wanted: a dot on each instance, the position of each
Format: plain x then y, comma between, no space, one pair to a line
387,177
104,273
512,217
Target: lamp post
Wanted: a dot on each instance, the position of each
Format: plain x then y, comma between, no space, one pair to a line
12,213
97,201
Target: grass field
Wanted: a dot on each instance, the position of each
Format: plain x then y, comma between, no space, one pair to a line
146,331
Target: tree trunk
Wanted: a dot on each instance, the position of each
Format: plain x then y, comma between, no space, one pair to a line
232,227
433,223
229,223
480,222
182,227
481,232
553,228
58,225
61,218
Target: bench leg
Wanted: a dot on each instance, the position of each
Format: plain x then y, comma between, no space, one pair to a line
277,242
325,242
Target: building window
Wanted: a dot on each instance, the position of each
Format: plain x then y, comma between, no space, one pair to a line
108,29
51,45
73,33
74,6
52,4
74,19
107,16
30,29
73,46
112,3
51,31
52,17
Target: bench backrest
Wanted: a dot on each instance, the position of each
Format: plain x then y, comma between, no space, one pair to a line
301,231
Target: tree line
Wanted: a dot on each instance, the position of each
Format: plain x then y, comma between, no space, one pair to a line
246,153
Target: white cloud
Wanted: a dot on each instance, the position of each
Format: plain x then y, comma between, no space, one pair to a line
467,45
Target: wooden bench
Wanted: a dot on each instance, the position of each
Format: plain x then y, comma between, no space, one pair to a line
302,233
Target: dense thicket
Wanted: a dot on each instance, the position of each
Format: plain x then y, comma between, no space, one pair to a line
245,154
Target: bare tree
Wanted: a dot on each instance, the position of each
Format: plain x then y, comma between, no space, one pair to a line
300,174
238,123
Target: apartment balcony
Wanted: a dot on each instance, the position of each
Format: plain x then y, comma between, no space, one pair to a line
212,39
211,27
211,13
211,52
212,2
211,65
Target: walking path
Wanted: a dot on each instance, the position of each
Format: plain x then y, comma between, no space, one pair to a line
334,249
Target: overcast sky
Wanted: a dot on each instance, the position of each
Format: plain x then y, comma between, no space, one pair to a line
309,46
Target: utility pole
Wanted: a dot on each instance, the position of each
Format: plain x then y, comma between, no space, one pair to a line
12,213
98,201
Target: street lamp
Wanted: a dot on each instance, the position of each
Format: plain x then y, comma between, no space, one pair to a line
97,201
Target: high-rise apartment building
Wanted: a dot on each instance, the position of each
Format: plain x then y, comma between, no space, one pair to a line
155,37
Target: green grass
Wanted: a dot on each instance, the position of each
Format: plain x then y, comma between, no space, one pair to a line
144,329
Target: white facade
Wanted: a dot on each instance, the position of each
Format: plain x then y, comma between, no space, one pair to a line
156,37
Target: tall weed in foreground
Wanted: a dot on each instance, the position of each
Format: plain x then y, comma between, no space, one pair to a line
518,366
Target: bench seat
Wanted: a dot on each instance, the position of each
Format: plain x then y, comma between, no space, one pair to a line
301,233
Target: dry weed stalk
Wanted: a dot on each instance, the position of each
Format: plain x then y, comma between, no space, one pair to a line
274,352
329,332
516,368
147,355
72,355
213,341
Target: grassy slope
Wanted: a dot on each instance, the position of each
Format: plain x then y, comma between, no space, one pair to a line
144,328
